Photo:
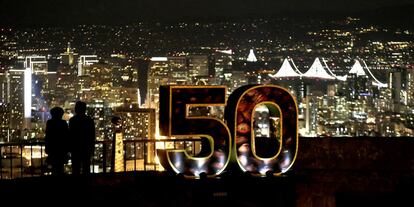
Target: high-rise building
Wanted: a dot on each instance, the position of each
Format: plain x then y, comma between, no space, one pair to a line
311,116
69,57
395,84
4,107
179,72
65,86
4,122
84,61
124,76
333,114
223,63
410,87
37,64
138,124
16,86
51,82
158,74
3,87
197,66
234,80
100,76
101,114
36,83
24,103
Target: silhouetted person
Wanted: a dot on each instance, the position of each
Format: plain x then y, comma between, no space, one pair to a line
82,132
56,141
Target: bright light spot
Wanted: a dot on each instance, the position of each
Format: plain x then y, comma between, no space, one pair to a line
159,59
28,93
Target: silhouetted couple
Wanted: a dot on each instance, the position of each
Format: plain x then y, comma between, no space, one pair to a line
78,138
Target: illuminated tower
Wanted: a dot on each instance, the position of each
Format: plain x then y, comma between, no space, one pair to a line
69,57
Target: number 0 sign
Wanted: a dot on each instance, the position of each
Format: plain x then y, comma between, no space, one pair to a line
235,140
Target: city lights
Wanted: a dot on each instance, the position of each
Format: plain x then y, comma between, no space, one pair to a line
28,93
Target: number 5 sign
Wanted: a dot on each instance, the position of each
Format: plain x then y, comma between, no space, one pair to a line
235,140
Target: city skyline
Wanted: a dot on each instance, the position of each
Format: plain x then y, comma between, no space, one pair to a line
360,67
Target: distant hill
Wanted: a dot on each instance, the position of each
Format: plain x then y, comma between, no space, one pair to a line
395,16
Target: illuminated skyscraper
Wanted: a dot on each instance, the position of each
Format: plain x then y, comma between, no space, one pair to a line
36,86
333,113
38,64
4,107
3,87
138,124
86,60
65,85
223,63
51,81
69,57
124,76
197,65
234,80
311,116
17,103
179,72
101,114
395,84
4,122
158,73
410,87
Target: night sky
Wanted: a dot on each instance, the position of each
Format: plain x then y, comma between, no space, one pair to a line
38,12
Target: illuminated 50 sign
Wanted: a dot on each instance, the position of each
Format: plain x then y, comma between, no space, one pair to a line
235,140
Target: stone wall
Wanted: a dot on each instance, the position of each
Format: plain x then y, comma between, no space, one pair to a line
353,171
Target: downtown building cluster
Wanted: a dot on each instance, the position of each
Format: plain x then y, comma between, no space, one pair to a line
120,68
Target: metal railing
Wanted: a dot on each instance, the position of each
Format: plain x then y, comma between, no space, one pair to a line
28,158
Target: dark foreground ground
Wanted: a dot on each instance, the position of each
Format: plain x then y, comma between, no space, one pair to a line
327,173
153,189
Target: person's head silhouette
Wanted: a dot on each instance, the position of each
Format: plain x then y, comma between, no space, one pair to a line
80,107
56,112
